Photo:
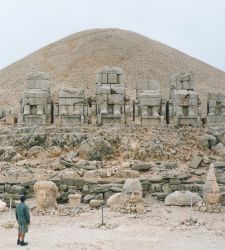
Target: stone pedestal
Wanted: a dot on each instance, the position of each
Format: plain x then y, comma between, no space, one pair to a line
74,200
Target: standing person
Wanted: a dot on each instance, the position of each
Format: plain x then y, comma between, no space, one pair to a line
23,219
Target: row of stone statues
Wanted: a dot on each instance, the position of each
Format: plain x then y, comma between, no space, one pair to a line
46,194
110,104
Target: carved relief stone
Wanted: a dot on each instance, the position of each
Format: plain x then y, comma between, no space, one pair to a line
45,194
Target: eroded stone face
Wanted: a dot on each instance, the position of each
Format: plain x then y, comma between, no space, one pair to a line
132,191
211,189
45,194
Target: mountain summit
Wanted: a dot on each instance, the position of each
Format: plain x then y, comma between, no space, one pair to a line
74,60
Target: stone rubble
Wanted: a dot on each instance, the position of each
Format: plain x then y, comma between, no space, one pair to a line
161,142
203,207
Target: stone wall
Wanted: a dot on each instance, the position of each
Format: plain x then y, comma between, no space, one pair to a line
103,188
165,159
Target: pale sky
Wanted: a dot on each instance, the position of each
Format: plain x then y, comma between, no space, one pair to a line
195,27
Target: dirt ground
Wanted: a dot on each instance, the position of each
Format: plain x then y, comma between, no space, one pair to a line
158,228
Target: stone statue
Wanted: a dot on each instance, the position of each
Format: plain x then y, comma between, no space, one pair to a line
110,96
36,102
149,101
130,200
45,194
211,189
132,191
72,106
185,104
216,108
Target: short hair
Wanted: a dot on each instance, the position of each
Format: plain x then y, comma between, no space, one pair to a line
22,198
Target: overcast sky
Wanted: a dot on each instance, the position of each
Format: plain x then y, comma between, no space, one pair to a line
196,27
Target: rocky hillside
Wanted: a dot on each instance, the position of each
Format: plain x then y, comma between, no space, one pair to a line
73,62
96,161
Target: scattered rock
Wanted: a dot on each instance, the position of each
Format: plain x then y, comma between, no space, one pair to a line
142,166
2,206
222,199
94,149
7,153
203,207
219,149
96,203
182,198
88,197
196,161
193,221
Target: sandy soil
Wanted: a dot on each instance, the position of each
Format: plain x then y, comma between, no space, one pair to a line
159,228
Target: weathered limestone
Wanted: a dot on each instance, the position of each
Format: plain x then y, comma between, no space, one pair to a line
36,103
74,200
149,102
211,189
182,198
2,206
110,96
185,104
132,190
4,112
216,108
222,199
73,109
45,194
130,200
94,149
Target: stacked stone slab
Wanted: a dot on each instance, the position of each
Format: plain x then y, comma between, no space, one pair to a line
185,106
4,115
73,108
149,102
36,103
110,96
216,108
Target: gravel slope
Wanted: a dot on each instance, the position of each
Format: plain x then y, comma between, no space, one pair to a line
74,60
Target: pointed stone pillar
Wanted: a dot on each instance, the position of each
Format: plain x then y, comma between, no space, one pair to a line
211,189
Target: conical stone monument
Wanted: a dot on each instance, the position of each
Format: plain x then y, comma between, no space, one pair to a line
211,189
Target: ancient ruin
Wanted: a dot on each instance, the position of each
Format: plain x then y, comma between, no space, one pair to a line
73,108
211,195
74,200
216,108
130,200
110,96
110,105
45,194
149,102
211,189
185,106
2,206
36,103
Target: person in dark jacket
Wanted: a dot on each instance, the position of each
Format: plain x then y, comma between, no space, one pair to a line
23,219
